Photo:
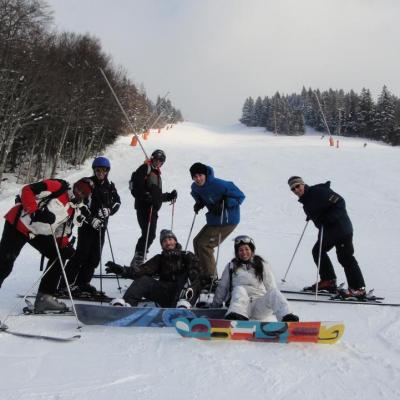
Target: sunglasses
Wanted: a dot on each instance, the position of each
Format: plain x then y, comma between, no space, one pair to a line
100,169
295,187
244,239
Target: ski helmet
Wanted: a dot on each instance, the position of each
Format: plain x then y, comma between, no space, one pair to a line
158,155
244,239
102,162
83,188
165,234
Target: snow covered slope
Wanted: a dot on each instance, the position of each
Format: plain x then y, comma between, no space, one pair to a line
145,363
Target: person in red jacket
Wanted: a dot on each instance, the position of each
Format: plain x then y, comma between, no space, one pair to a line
45,210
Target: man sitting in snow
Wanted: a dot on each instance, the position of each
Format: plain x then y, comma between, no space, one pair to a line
177,270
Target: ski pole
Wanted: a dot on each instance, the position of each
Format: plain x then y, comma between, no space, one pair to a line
321,238
147,234
190,232
113,258
172,216
101,267
219,245
295,251
65,276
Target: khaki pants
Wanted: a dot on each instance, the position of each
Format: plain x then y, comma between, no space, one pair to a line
204,244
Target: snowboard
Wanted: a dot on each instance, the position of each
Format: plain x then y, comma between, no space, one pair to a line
90,314
258,331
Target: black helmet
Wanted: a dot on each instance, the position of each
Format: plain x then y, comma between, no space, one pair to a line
158,155
244,239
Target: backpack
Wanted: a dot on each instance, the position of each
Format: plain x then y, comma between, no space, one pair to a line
132,188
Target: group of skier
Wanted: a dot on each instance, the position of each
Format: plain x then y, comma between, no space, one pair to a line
46,211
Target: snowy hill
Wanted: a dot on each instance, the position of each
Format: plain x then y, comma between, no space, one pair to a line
148,363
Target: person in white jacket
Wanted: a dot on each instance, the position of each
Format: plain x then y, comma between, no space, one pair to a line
249,286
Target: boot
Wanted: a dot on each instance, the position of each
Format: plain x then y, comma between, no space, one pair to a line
137,260
324,286
236,317
46,302
357,294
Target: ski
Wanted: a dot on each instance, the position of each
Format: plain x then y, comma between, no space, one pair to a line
30,311
90,314
110,276
4,328
348,301
258,331
95,299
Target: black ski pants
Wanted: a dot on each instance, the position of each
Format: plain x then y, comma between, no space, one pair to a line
163,293
143,216
80,268
345,255
11,244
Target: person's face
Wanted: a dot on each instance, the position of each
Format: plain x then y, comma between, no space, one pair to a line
100,173
298,189
199,179
169,243
157,163
244,252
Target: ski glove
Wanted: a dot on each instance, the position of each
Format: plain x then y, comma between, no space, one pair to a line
43,215
97,223
290,318
172,196
215,208
103,212
198,206
114,268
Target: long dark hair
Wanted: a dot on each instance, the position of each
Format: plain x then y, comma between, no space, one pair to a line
257,262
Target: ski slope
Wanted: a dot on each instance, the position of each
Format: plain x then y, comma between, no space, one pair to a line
149,363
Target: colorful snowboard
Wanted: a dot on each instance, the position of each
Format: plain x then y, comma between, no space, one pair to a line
257,331
90,314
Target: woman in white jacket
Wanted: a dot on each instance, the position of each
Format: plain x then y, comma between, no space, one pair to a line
248,283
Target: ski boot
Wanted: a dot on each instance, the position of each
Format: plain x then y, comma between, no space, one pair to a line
324,286
46,302
359,294
137,260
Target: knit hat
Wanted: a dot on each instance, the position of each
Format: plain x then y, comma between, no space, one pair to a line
295,180
165,234
198,168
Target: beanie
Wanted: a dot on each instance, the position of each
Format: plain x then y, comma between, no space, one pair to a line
165,234
198,168
295,180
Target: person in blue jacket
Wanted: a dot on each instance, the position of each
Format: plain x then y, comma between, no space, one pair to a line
222,199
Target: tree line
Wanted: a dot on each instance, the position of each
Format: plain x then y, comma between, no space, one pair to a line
55,106
346,114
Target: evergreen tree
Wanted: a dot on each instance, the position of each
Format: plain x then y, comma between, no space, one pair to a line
247,112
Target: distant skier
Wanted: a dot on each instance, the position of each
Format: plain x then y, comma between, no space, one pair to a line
248,284
146,188
327,210
103,203
44,208
173,267
222,199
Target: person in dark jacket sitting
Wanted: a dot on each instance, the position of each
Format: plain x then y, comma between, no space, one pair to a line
327,210
177,272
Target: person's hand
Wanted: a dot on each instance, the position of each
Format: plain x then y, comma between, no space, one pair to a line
173,196
114,268
198,206
43,215
215,208
290,318
103,212
97,223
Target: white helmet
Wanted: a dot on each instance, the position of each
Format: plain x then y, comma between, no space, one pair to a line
119,303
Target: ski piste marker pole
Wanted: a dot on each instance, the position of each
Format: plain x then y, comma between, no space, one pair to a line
295,251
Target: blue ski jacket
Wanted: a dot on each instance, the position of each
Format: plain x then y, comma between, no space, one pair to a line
213,193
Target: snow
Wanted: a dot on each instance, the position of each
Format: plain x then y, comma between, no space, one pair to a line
148,363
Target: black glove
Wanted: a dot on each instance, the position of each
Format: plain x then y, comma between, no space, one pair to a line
290,318
172,196
198,206
97,223
215,208
43,215
67,252
114,268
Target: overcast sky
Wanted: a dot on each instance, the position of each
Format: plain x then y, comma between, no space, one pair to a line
212,54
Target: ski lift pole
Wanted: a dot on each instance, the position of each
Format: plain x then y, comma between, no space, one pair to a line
123,112
322,113
321,238
295,251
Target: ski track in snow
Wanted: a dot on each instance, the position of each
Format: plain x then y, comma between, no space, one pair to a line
151,363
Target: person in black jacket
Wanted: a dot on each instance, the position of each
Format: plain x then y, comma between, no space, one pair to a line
327,210
103,203
177,271
146,187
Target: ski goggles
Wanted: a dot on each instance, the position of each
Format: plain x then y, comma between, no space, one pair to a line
243,239
101,169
